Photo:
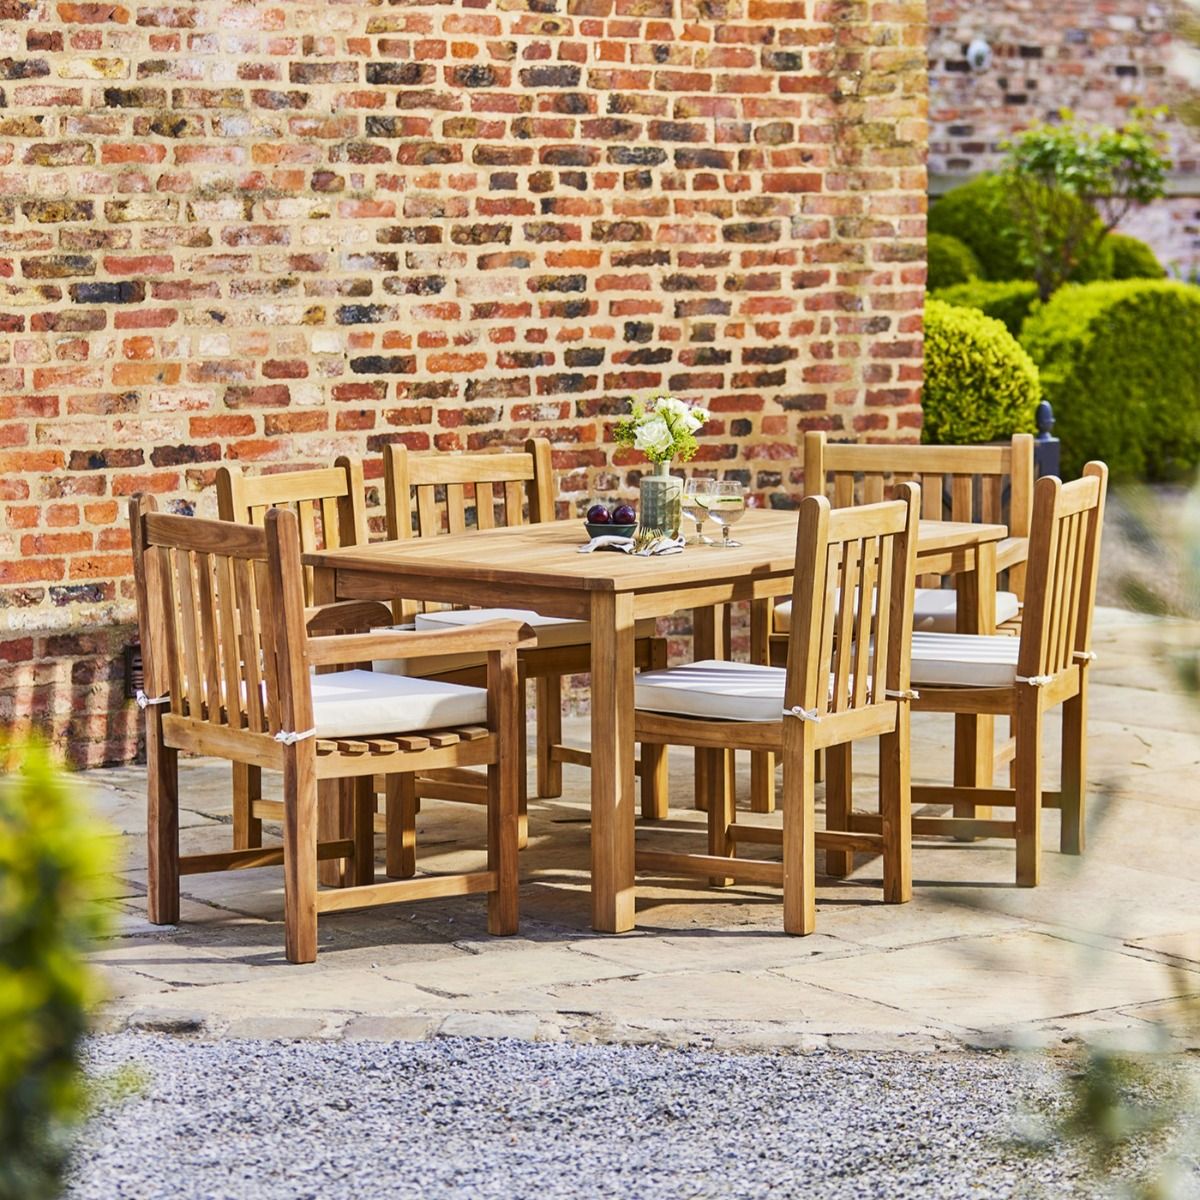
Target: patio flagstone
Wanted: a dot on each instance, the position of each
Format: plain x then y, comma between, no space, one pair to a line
971,958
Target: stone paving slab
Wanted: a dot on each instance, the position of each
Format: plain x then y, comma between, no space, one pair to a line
1103,947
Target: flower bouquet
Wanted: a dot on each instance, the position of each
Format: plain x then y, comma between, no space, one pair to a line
663,431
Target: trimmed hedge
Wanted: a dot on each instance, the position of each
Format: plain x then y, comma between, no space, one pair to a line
1120,362
950,262
979,384
979,214
1133,259
1009,301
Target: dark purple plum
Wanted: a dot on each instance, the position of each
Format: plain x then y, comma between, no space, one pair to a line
624,514
598,515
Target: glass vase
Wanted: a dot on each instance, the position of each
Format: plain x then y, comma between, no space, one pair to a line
661,509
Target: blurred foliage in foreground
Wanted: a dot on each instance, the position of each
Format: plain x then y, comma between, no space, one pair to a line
1133,1114
52,861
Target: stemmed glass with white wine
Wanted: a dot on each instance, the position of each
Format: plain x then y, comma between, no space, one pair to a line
726,503
695,491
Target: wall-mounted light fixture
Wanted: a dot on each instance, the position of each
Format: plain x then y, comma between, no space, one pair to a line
979,55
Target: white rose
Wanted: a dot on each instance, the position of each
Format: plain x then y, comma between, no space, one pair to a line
653,438
694,418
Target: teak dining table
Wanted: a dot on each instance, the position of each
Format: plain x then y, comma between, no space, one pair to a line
538,567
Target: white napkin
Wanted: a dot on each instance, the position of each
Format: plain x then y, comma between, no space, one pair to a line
628,545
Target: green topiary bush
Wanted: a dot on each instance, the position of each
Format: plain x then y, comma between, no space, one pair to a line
1120,362
980,214
51,861
1008,301
979,384
950,262
1133,259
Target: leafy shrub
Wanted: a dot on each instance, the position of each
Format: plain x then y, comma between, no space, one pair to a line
979,384
1133,259
1010,302
1120,362
981,214
950,262
1071,183
50,861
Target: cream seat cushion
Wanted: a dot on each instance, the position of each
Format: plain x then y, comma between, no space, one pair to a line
551,632
964,660
362,703
724,691
934,610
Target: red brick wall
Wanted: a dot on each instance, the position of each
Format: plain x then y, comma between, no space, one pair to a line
1098,59
276,233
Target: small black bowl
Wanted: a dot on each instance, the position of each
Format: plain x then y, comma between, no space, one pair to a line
609,530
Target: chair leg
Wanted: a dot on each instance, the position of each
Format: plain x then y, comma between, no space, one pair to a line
549,735
839,789
762,781
162,811
401,821
799,829
504,780
247,787
819,767
702,787
1074,772
300,852
895,796
720,809
335,815
362,868
522,801
1029,787
654,781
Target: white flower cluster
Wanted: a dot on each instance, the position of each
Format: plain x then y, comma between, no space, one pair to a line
659,431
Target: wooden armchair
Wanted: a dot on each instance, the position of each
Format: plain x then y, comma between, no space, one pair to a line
1024,678
992,484
330,509
228,661
846,679
431,494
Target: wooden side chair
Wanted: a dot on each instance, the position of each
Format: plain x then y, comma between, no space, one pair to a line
992,484
228,654
431,494
1023,678
847,677
330,509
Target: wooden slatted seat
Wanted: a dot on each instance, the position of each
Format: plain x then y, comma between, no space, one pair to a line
228,653
846,678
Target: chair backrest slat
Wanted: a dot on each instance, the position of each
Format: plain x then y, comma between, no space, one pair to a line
852,601
1064,554
431,494
992,484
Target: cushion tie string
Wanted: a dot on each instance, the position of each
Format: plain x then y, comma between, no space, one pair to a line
1085,656
906,694
144,701
803,714
1035,680
289,737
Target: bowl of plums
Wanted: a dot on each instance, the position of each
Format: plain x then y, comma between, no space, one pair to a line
613,520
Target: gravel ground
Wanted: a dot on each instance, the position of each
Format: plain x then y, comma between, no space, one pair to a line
252,1120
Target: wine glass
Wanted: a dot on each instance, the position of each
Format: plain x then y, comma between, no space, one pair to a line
695,492
726,503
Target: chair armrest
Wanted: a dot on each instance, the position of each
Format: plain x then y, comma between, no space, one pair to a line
1011,552
346,616
391,643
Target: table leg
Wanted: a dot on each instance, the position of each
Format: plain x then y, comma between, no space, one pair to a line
613,788
708,641
974,737
335,800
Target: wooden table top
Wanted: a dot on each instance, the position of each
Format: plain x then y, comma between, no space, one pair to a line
546,555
